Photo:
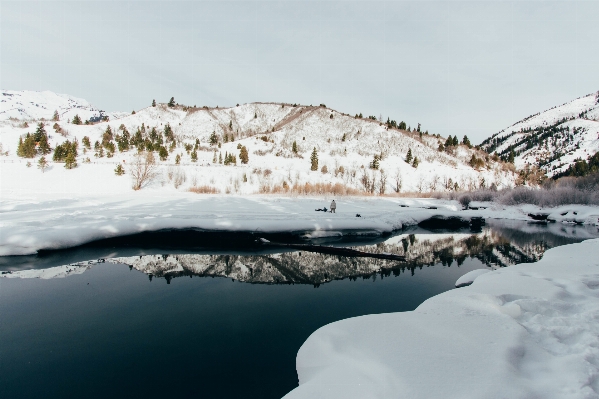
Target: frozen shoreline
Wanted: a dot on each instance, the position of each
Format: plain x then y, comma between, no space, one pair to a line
529,330
30,225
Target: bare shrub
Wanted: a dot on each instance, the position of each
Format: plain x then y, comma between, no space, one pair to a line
204,190
143,170
179,178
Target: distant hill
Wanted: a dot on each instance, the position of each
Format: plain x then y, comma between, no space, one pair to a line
362,154
36,105
552,140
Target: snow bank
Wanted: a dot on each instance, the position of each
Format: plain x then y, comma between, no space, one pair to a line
530,330
29,226
469,277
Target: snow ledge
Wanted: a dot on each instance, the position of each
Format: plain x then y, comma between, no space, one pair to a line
530,330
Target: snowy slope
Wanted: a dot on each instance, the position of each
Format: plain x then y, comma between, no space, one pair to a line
552,139
345,145
526,331
37,105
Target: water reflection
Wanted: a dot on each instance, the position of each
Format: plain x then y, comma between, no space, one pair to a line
499,244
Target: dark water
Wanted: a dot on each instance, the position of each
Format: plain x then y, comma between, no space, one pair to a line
114,332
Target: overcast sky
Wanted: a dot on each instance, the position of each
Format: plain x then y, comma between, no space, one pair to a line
455,67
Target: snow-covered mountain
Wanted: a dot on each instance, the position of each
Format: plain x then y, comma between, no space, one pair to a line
38,105
346,147
552,139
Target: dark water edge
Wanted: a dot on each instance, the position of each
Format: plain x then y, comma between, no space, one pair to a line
114,331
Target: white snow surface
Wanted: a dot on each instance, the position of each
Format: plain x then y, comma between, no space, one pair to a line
527,331
345,145
469,277
29,226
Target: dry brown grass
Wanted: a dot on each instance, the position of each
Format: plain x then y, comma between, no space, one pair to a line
337,189
204,190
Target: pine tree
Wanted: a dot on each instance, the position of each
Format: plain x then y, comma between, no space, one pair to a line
21,148
194,156
449,141
70,162
255,115
511,157
220,157
163,153
402,125
119,171
214,157
43,146
42,164
77,120
243,155
294,147
455,141
466,142
416,162
314,160
409,156
177,159
213,139
375,162
86,143
231,126
171,103
39,132
56,117
153,103
168,133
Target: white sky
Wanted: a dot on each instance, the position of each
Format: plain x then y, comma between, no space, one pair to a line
455,67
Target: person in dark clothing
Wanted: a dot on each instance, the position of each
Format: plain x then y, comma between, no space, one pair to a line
333,206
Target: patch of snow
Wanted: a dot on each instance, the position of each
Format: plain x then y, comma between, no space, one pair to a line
525,331
469,277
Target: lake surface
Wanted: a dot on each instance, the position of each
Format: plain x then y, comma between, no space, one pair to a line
201,324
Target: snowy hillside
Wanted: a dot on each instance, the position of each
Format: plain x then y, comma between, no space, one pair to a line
346,148
38,105
553,139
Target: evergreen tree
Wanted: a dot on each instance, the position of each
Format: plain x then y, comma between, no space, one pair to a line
171,103
43,146
214,157
220,157
168,133
77,120
39,132
177,159
213,139
375,162
163,153
21,148
294,147
194,156
86,142
455,141
231,126
153,103
314,160
416,162
26,148
70,161
56,117
119,171
466,142
511,157
42,164
409,156
243,155
255,115
402,125
449,141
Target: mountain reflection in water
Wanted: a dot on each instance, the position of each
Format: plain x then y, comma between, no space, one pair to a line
501,243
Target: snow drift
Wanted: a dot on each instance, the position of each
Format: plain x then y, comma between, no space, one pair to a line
526,331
